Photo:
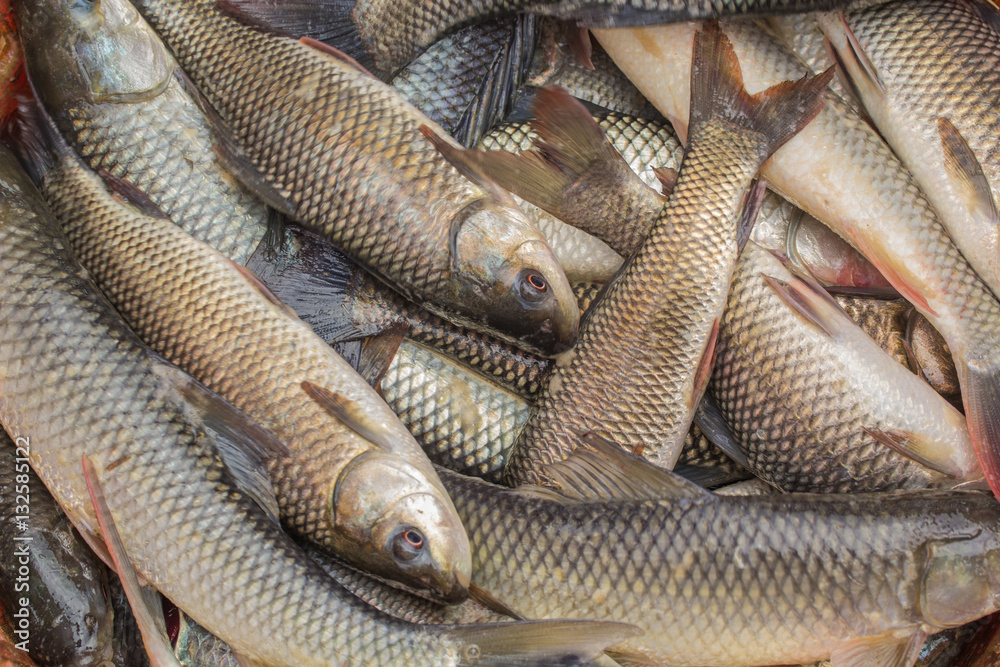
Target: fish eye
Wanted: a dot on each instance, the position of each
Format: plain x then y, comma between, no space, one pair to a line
408,544
532,285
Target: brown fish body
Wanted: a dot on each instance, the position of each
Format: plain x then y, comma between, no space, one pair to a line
346,151
634,376
735,581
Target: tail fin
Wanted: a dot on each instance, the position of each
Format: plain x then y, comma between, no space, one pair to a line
717,92
537,642
981,398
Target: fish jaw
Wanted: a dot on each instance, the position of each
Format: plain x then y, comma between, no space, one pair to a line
418,540
523,293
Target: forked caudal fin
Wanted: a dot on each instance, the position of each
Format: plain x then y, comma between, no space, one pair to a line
717,93
981,397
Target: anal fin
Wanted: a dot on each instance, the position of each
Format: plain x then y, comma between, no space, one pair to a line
145,603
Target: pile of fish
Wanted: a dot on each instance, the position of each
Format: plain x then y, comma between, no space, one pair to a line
555,332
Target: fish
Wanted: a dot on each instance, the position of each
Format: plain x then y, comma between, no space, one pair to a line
468,81
816,404
347,153
932,357
48,575
873,202
80,384
116,94
645,350
384,35
928,75
355,481
885,322
127,637
733,581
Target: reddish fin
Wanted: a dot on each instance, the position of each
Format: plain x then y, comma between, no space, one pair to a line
906,444
751,208
377,353
667,178
802,300
336,53
351,415
879,651
148,617
717,91
981,398
465,162
894,278
705,366
131,195
579,43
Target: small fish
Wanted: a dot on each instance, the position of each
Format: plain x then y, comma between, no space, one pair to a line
348,155
646,348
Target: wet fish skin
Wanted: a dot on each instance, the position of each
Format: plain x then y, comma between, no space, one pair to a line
634,375
928,61
79,383
735,581
468,81
127,113
70,620
347,151
358,496
874,203
815,439
389,34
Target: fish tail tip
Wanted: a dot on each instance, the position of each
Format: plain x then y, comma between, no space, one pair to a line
717,91
981,397
566,642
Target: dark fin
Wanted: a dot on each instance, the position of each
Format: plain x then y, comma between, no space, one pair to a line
131,195
579,44
336,54
709,419
708,477
705,365
536,642
264,290
803,301
328,21
347,411
667,178
879,651
39,143
377,353
232,156
145,602
489,601
907,445
857,70
568,136
962,165
498,92
458,158
751,208
242,444
880,293
96,544
601,470
981,398
717,91
911,357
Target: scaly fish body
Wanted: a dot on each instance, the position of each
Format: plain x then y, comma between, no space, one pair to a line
840,171
78,382
767,580
635,376
802,399
916,65
127,114
347,152
358,496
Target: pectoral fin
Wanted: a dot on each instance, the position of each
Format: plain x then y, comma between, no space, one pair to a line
966,172
879,651
351,414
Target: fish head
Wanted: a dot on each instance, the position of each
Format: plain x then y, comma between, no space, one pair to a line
397,521
961,576
91,50
507,274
